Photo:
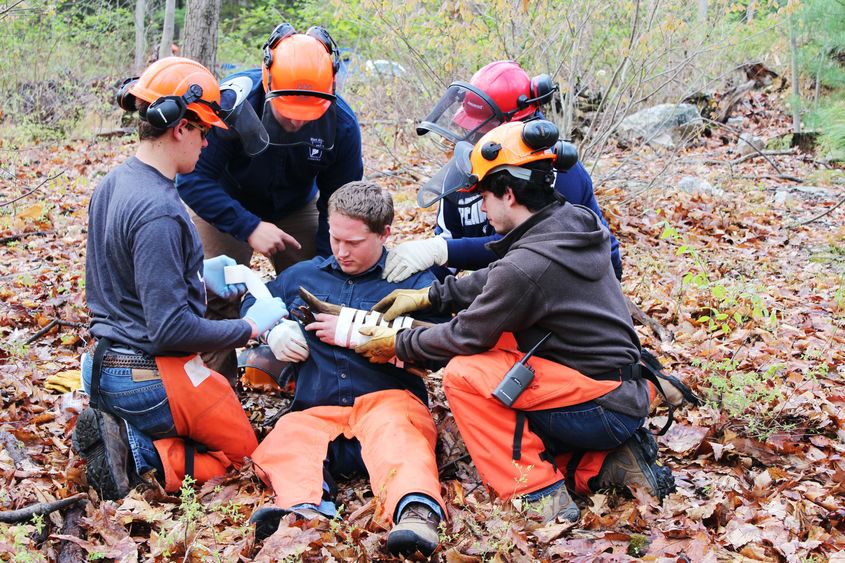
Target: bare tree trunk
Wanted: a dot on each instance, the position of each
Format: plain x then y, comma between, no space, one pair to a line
140,43
167,31
796,89
702,11
201,18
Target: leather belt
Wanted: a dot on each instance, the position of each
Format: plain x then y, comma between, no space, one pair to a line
131,361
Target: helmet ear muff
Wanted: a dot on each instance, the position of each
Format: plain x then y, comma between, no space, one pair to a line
540,134
322,35
566,155
123,97
542,88
281,31
167,111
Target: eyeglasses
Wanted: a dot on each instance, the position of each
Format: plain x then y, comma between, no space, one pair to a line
203,129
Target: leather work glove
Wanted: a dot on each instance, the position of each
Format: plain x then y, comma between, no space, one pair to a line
64,381
381,347
212,274
287,342
264,314
402,301
415,256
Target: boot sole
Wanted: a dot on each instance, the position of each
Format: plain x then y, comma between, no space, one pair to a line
88,442
406,542
659,477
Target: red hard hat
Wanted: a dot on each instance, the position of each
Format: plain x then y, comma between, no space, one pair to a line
503,82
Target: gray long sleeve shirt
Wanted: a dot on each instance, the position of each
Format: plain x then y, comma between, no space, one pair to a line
143,269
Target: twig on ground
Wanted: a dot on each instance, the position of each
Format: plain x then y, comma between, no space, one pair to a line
758,152
49,326
69,552
452,463
817,217
20,197
761,153
24,514
18,455
638,315
13,238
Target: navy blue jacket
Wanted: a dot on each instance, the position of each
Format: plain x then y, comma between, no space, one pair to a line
332,375
467,231
234,192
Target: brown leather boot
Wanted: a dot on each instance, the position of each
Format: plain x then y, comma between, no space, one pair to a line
634,462
415,531
100,438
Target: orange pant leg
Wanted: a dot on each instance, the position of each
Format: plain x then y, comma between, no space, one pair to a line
207,465
487,426
398,437
290,459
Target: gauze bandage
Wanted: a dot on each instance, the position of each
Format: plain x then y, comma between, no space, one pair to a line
349,320
253,282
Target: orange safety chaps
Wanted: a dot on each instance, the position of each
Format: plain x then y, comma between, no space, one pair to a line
397,436
487,426
208,418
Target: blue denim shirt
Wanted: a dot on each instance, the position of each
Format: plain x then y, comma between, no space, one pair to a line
333,375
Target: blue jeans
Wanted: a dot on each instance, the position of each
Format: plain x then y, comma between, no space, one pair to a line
142,405
585,426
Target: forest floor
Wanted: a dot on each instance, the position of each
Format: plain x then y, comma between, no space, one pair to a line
740,299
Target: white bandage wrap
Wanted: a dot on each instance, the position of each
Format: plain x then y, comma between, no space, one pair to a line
350,320
253,282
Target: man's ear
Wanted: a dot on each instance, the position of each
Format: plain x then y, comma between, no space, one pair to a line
385,234
180,129
508,197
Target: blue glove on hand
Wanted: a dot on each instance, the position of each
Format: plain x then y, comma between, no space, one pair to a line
265,313
215,282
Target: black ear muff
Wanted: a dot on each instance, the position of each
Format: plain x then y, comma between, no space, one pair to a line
490,150
542,88
566,155
166,111
539,134
123,98
323,36
282,30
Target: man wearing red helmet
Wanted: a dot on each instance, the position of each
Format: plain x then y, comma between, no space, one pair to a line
154,404
498,93
256,188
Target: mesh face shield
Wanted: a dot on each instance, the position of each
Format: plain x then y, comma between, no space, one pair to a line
464,113
240,116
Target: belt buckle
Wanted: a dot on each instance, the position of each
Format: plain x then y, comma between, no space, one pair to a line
141,374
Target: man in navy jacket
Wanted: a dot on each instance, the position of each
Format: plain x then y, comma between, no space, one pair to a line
272,199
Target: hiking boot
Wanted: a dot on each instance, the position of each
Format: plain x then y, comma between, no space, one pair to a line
100,438
415,531
557,506
634,462
267,518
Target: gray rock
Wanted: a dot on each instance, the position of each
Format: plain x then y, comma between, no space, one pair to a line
747,142
693,185
664,125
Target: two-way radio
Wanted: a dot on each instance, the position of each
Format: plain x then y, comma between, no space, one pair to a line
518,378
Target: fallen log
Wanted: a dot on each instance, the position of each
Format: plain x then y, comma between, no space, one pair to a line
70,552
24,514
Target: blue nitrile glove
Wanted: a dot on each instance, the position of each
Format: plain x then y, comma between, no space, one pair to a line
215,282
265,313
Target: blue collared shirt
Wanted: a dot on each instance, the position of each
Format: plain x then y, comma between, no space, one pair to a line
335,376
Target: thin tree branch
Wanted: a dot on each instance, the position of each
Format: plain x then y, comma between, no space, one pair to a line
24,514
817,217
20,197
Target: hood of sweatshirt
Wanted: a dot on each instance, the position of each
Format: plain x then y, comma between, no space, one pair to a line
567,234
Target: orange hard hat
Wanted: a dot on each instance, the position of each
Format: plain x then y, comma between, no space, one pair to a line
298,76
178,76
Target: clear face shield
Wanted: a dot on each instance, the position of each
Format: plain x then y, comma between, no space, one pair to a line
299,117
454,181
464,113
240,116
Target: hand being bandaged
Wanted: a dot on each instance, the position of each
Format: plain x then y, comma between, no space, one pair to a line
381,346
403,301
415,256
287,342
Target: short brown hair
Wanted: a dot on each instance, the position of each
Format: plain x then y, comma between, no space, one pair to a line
364,201
148,131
